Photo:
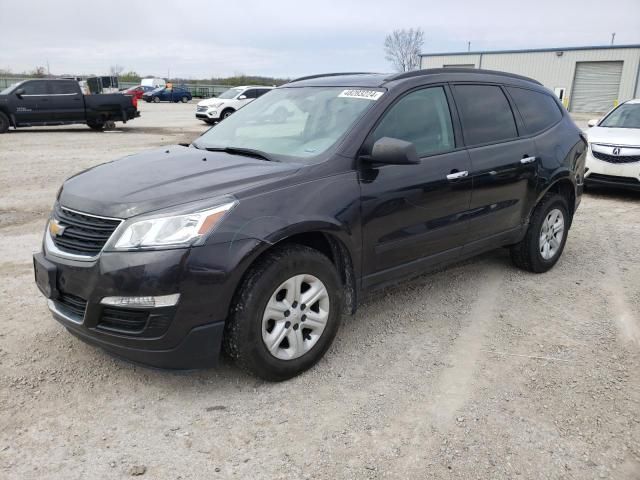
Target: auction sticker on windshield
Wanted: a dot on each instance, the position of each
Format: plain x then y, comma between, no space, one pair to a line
366,94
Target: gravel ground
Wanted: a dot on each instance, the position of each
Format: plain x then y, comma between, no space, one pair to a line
477,371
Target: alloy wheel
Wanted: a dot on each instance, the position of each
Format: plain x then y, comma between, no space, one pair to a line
551,234
295,317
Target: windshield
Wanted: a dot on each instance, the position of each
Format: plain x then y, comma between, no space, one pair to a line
7,90
625,116
231,93
296,122
158,89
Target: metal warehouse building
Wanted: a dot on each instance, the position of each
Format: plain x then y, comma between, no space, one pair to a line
586,79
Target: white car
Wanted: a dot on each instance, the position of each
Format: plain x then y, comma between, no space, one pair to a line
613,158
212,110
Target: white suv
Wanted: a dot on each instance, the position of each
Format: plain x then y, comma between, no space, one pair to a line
614,148
214,109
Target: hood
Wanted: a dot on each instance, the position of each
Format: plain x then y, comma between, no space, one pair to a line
614,136
210,101
165,178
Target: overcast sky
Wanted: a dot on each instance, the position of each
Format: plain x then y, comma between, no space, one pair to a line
285,38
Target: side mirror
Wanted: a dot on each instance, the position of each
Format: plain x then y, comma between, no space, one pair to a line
393,151
592,123
19,92
242,97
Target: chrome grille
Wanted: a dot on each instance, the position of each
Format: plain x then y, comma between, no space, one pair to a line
605,157
83,234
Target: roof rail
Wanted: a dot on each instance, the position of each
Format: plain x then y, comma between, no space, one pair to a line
477,71
310,77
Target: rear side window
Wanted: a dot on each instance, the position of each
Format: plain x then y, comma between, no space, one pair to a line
261,91
63,88
538,110
421,117
36,87
485,114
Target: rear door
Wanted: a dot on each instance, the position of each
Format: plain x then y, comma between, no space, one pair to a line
66,101
33,107
503,165
413,215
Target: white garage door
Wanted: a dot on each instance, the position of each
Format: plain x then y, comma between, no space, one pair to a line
596,86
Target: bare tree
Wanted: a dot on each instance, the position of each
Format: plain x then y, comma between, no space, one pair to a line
39,72
402,48
116,70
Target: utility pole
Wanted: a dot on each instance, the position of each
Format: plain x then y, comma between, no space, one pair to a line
48,69
613,37
468,46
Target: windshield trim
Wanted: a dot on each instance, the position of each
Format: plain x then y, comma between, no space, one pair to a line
331,150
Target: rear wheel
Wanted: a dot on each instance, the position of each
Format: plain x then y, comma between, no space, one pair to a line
184,99
4,123
97,126
546,236
286,313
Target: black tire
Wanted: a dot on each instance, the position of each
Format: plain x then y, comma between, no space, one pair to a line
156,99
184,99
226,113
243,332
4,123
526,254
97,126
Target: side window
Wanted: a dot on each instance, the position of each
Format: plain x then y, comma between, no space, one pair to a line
64,88
36,87
261,91
485,114
250,93
421,117
538,110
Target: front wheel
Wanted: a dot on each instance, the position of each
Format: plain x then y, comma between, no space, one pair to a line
546,236
4,123
226,114
286,313
156,99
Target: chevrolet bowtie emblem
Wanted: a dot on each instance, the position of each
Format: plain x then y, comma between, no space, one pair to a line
55,229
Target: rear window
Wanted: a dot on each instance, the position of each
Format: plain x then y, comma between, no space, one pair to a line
485,114
538,110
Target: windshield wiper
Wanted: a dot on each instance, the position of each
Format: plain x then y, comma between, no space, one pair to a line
247,152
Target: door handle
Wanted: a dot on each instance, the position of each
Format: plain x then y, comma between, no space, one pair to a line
526,160
456,175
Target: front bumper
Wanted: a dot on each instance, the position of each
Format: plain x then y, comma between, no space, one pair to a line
187,335
621,175
208,115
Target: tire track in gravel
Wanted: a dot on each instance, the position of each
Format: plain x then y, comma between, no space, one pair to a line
626,319
454,385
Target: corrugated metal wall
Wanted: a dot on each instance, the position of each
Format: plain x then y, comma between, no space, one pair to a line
549,68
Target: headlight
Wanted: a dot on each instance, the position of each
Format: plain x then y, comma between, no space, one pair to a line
171,231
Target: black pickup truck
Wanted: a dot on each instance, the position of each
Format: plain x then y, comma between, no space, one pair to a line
61,102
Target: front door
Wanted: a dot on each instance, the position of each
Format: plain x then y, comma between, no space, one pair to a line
503,165
33,107
413,215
